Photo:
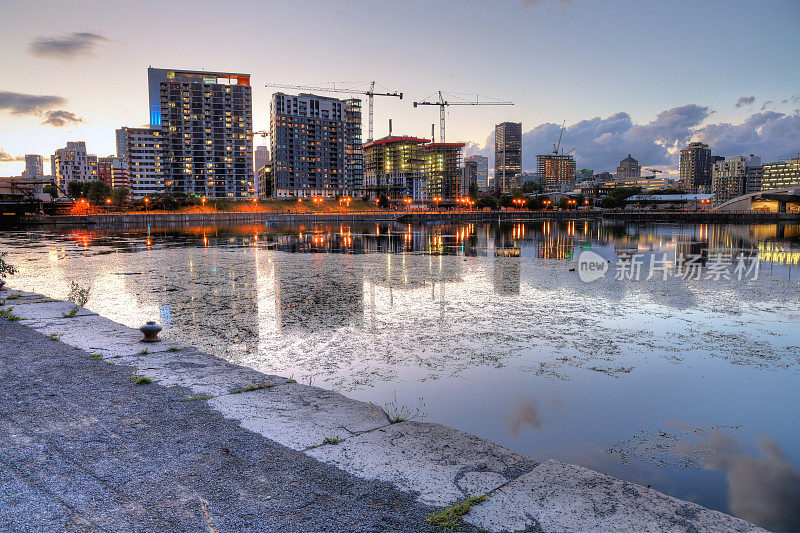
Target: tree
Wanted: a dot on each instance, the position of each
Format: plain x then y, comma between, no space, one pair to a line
616,198
534,203
532,186
487,201
473,191
75,189
96,191
383,202
51,189
506,201
119,195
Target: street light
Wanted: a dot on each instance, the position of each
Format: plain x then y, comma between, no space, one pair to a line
146,203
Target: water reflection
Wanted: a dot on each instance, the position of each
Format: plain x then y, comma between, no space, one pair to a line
488,323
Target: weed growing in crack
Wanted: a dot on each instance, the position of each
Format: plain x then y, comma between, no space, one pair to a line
174,349
54,337
144,352
195,398
450,518
332,440
140,380
8,314
396,412
257,386
96,356
78,296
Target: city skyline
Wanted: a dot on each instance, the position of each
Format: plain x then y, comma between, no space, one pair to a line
84,78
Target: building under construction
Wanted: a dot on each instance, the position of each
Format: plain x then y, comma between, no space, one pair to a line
403,167
556,172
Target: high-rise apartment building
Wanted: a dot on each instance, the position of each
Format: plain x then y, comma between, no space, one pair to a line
206,124
556,172
777,174
507,154
261,156
72,163
729,177
34,167
315,145
629,168
395,166
469,176
695,170
482,163
442,170
143,150
113,171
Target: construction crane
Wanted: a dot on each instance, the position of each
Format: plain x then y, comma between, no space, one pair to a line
442,103
557,147
654,171
370,92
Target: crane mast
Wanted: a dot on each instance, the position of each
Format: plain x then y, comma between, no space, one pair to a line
442,103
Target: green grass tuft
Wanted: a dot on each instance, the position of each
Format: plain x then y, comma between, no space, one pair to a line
140,380
144,352
8,314
195,398
12,297
174,349
257,386
72,312
54,337
332,440
96,356
449,518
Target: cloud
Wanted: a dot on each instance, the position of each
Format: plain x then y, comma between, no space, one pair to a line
61,118
524,414
65,47
5,157
767,103
764,490
601,142
745,100
28,104
770,134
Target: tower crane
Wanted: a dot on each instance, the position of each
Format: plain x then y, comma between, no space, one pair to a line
442,103
370,92
557,147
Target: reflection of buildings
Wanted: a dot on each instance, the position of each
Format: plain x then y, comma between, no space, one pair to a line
323,291
506,268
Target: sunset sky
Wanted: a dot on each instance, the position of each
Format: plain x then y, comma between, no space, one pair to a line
638,77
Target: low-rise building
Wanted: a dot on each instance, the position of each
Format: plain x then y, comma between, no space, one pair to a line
73,163
143,151
784,173
729,177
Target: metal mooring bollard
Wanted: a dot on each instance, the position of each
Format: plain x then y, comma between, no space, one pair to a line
150,331
2,284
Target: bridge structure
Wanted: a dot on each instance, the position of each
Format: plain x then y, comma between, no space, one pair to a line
784,200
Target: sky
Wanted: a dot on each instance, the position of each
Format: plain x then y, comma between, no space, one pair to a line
639,77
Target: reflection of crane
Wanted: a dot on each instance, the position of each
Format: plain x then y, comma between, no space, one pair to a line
370,92
442,103
557,147
654,171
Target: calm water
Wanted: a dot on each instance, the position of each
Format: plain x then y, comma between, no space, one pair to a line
691,386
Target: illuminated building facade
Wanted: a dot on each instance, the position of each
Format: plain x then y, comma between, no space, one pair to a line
629,168
34,167
729,177
113,171
395,166
72,163
556,172
315,145
779,174
695,170
442,170
481,168
507,154
143,150
206,120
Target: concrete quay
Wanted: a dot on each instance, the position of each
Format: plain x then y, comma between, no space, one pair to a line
434,464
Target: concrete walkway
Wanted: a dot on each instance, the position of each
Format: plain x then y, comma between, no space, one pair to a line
432,463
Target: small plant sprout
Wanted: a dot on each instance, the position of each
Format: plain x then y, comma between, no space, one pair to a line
291,379
8,314
332,440
196,398
140,380
54,337
396,412
78,296
144,352
6,268
173,349
450,518
257,386
96,355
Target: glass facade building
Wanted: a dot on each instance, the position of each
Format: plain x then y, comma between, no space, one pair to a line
507,154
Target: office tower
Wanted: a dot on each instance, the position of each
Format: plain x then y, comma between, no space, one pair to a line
310,137
143,150
73,164
353,149
629,168
482,170
695,171
395,166
556,172
507,154
264,176
261,157
469,175
206,123
777,174
729,178
34,167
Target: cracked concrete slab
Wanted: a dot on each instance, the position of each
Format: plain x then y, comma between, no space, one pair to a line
93,333
562,497
441,463
300,416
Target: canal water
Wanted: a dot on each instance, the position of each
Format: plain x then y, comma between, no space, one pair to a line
676,368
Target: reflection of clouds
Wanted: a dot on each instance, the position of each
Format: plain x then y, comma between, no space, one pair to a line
764,490
525,414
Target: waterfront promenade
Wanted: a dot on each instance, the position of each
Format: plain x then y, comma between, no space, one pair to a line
211,445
